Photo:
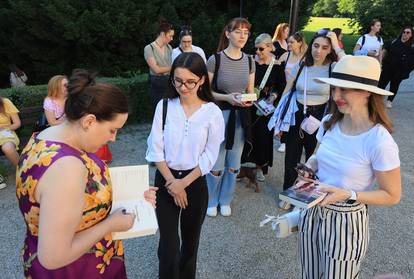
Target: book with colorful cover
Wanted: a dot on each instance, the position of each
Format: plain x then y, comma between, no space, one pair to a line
303,195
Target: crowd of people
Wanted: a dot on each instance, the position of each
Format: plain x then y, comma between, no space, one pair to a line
202,133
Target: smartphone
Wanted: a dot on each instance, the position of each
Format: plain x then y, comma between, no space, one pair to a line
302,170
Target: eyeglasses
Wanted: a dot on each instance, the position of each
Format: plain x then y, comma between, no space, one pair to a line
407,32
189,84
240,32
259,49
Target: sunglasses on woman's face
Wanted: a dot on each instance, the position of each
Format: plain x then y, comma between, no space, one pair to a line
259,49
407,32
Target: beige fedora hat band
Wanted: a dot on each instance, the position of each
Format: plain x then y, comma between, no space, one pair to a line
353,78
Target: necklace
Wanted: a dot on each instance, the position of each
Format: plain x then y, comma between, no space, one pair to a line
160,46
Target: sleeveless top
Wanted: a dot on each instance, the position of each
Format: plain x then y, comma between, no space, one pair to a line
103,260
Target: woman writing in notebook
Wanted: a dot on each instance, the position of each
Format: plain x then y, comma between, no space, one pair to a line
184,144
65,191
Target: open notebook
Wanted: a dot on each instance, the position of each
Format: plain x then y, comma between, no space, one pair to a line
128,185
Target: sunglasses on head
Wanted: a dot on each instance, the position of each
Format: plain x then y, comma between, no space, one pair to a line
259,49
322,32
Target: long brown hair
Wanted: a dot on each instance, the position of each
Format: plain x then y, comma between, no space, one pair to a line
376,110
281,27
238,22
331,57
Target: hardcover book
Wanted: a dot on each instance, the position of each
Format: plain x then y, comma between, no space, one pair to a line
303,195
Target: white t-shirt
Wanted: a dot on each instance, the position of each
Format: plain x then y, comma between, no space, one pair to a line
176,51
371,43
349,162
186,142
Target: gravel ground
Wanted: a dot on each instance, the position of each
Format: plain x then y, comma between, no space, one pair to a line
235,247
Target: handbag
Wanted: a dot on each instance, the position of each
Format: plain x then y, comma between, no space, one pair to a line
41,123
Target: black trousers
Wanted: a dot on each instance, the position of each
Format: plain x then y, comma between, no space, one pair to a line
179,261
158,87
295,144
392,76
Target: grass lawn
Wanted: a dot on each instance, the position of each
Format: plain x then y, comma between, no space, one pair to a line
350,35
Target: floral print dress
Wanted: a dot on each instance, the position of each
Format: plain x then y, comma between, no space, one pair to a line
106,258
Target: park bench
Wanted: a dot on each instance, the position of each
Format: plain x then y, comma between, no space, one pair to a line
28,117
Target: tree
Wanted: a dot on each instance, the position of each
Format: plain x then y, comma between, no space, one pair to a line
49,37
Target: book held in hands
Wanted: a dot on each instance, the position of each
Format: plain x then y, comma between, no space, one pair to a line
303,194
128,186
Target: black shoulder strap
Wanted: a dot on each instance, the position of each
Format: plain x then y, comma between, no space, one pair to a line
330,100
363,40
180,49
379,38
250,63
292,90
164,112
216,68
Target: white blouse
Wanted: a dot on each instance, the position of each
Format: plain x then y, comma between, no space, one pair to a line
187,142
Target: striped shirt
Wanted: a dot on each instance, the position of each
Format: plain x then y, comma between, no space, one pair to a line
233,74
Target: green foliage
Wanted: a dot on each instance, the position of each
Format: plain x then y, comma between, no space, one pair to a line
49,37
394,15
135,88
328,8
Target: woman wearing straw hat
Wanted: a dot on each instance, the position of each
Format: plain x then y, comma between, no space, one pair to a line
355,151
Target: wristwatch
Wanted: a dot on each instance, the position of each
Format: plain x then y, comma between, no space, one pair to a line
352,199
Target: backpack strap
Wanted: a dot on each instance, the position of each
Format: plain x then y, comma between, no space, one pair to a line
217,58
180,49
250,63
292,90
363,40
164,112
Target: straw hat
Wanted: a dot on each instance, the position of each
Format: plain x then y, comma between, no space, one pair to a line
356,72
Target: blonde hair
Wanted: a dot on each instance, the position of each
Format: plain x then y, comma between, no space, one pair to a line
300,38
279,31
54,86
265,39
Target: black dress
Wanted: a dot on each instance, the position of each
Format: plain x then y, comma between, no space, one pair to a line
279,50
262,138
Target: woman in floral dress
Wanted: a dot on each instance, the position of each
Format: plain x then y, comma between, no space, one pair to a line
65,192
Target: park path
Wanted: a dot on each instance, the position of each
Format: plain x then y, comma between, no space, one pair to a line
236,247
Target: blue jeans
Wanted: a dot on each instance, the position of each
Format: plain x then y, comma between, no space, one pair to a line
221,188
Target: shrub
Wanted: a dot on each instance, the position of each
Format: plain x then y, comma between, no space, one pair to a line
135,88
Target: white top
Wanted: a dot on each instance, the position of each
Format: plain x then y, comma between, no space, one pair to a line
371,43
16,81
349,162
176,51
187,143
317,93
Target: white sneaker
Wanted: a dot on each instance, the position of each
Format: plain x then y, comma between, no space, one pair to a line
282,148
212,211
225,210
388,104
2,182
259,175
284,205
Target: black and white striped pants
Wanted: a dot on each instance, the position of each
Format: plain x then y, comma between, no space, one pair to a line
333,240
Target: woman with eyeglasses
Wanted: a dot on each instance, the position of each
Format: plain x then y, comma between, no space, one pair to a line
318,62
158,57
398,62
279,39
186,44
231,72
371,43
186,134
262,139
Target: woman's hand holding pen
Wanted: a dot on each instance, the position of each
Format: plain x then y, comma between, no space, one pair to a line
176,188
